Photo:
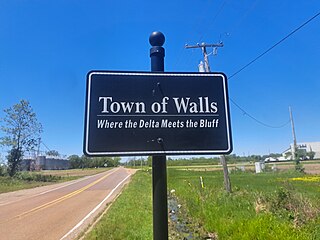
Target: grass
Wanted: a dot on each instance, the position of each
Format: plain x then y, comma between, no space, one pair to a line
26,180
264,206
276,206
8,184
130,216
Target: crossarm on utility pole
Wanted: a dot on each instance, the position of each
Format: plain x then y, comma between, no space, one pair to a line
204,46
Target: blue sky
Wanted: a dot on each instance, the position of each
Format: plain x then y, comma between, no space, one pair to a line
47,48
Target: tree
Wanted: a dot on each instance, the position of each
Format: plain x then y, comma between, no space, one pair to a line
21,131
301,154
14,158
87,162
75,161
53,153
311,154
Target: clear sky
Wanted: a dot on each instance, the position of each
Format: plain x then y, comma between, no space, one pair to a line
47,48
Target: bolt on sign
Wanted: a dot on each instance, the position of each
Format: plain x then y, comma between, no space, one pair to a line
148,113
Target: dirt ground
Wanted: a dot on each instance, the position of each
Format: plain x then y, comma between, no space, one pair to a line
310,167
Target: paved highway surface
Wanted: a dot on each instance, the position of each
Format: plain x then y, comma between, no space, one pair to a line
58,211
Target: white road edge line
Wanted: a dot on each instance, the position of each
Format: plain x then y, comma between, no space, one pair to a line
93,210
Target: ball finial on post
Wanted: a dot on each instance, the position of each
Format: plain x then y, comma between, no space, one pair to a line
156,39
157,52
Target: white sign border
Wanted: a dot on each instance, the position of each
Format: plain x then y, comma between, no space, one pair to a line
142,153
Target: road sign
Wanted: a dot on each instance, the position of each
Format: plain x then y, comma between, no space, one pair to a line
147,113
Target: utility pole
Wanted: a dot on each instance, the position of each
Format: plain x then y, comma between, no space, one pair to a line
205,67
294,148
204,47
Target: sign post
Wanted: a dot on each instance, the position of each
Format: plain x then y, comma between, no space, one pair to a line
156,113
159,165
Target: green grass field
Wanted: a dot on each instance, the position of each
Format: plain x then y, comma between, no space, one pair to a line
283,205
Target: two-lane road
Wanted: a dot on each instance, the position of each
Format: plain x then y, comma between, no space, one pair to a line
58,211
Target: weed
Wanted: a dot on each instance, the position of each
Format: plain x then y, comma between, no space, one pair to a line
299,167
288,205
29,176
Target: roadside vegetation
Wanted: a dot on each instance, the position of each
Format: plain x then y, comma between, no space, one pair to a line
130,216
271,205
25,180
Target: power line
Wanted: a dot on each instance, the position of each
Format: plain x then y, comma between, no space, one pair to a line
195,26
199,23
273,46
45,146
243,17
203,46
214,17
255,119
258,57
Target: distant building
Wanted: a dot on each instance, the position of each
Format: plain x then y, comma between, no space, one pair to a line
52,163
26,165
307,147
44,163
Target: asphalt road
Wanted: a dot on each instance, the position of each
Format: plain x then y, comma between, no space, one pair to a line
58,211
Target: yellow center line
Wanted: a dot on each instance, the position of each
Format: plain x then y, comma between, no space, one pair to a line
58,200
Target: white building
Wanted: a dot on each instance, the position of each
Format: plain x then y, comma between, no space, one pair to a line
306,146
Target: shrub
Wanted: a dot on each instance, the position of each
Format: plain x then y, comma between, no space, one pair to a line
288,205
299,167
3,170
27,176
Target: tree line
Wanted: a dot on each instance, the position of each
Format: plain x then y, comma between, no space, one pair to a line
96,162
183,161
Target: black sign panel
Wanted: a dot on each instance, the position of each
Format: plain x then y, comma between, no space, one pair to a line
146,113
